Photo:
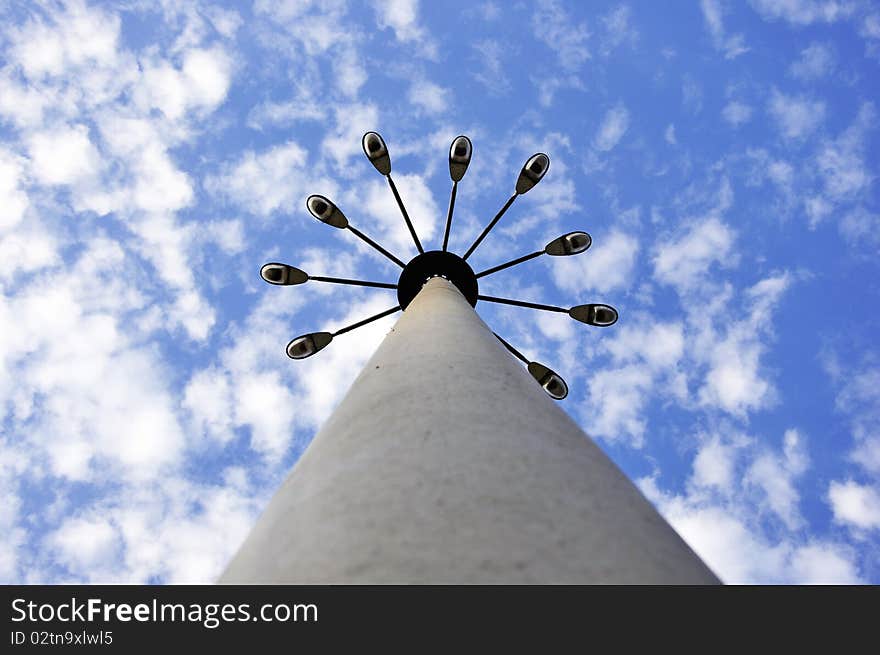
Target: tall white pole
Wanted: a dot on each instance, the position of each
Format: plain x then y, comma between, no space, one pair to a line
447,463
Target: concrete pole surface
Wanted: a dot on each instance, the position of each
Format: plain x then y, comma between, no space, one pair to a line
447,463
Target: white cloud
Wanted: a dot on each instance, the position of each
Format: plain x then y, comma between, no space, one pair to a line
167,245
94,397
82,543
549,85
153,182
402,16
815,61
489,56
391,228
646,362
63,156
861,227
84,380
870,31
23,104
713,13
608,265
797,116
669,134
316,26
29,248
264,403
13,200
225,21
228,235
249,386
776,477
613,127
617,397
734,381
803,12
14,464
736,113
179,531
559,31
618,29
855,504
207,73
201,83
766,293
207,396
266,182
781,173
741,553
283,114
870,28
714,465
824,564
430,97
691,95
858,398
817,208
193,546
350,72
313,28
841,161
80,37
684,263
343,141
659,345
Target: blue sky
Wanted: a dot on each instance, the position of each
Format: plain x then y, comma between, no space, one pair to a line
723,156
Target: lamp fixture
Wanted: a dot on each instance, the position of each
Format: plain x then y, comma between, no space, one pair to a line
432,263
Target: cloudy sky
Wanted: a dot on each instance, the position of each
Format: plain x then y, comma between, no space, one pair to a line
153,155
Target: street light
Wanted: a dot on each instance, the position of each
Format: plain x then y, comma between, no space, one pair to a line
377,152
459,158
595,314
572,243
308,344
442,263
551,381
283,274
533,171
327,212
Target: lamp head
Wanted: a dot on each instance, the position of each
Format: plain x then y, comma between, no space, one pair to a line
325,211
308,344
275,273
572,243
459,157
532,173
553,384
377,152
594,314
